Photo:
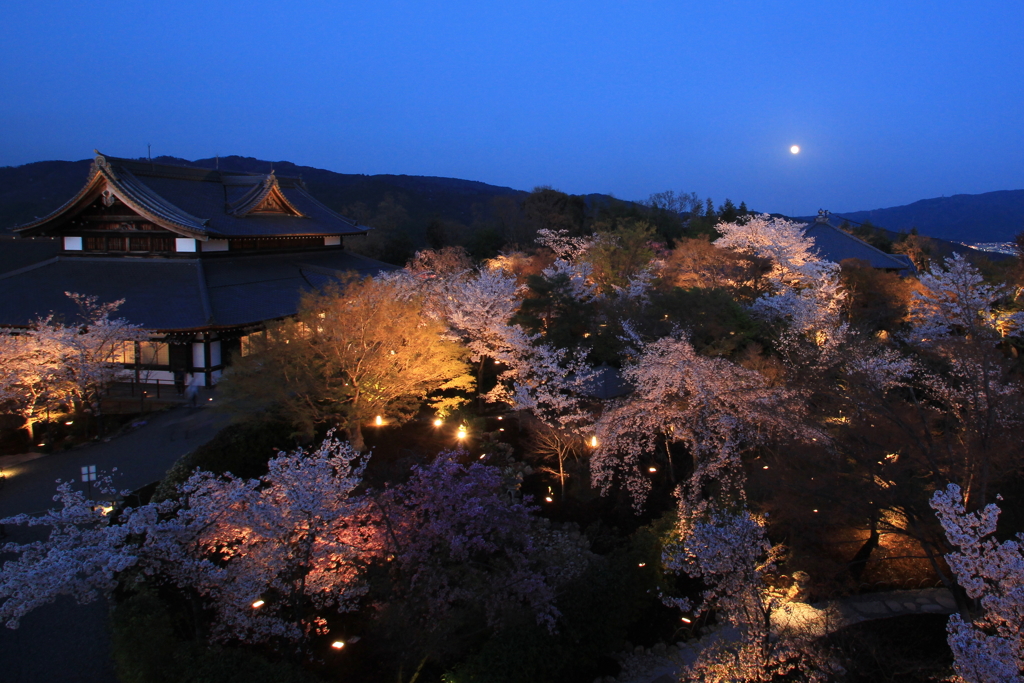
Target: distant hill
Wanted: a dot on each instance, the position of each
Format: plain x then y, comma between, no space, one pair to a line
37,189
969,218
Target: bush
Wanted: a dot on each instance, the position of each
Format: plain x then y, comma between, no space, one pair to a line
242,449
600,609
147,650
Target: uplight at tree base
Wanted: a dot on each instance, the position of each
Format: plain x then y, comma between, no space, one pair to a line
378,421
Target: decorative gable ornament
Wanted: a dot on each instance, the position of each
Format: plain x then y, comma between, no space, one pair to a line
266,199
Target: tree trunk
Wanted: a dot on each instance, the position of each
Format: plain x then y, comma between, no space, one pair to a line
859,563
668,456
355,437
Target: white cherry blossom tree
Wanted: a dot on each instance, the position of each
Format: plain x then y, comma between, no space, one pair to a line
988,646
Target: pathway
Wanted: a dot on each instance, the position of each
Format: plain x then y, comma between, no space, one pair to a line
64,641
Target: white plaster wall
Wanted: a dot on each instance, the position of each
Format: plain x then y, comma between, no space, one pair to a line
198,357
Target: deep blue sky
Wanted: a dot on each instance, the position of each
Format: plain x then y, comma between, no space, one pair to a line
891,101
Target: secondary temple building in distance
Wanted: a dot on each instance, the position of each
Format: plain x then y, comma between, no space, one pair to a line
201,257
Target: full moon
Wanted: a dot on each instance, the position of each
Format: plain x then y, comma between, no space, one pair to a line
795,149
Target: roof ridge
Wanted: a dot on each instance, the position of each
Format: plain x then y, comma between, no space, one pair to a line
25,269
854,237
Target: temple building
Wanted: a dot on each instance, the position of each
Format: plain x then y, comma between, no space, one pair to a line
201,257
837,245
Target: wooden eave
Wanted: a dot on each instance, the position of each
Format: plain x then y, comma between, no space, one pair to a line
129,190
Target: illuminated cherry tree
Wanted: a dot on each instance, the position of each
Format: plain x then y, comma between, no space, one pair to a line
806,292
53,366
713,407
278,551
780,240
725,546
988,648
957,304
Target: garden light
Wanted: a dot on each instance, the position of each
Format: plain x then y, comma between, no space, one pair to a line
338,644
379,421
462,432
257,604
69,423
593,442
652,470
685,620
438,422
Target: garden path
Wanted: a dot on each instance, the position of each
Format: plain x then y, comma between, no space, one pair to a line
663,663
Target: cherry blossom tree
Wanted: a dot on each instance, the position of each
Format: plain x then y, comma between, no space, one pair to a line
957,304
955,321
563,246
91,351
356,351
478,310
550,382
805,291
81,558
725,546
780,240
281,550
712,406
52,366
458,540
988,647
269,556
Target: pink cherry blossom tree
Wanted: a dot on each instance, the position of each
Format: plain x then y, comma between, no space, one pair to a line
297,540
711,406
52,365
269,556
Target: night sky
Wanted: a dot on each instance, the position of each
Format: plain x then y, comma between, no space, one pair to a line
890,101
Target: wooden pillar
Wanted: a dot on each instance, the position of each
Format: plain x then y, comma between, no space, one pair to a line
208,373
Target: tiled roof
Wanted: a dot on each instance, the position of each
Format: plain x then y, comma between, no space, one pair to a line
833,244
176,294
203,203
